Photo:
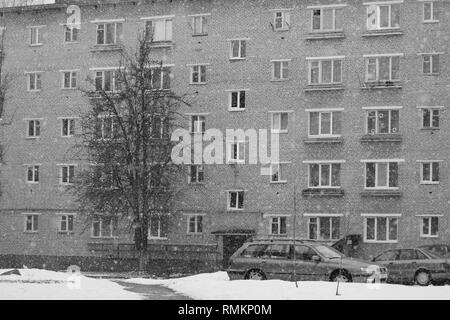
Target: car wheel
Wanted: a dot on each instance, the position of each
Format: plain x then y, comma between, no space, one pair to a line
422,278
255,274
341,276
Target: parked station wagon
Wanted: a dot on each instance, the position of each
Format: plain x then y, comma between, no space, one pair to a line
442,250
416,265
274,259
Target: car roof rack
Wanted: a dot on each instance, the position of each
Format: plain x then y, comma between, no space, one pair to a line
285,239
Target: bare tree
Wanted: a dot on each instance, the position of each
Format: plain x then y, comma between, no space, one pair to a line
126,139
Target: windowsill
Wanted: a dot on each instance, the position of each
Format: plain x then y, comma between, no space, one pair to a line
278,182
200,34
430,129
235,210
66,232
158,238
31,232
36,45
431,21
32,138
279,131
67,136
432,183
33,182
194,233
279,80
313,140
106,47
237,59
198,84
104,238
162,44
324,87
196,183
431,74
234,162
323,192
382,85
381,138
381,193
236,110
282,236
319,35
429,236
71,42
69,89
34,90
383,32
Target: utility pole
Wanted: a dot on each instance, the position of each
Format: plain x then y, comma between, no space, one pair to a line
295,224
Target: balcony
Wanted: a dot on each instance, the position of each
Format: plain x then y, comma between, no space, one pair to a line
325,35
383,32
385,193
394,137
374,85
323,192
324,87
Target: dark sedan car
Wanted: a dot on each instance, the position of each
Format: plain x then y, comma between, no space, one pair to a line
442,250
277,259
415,265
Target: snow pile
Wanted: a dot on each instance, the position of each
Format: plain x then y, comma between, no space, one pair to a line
216,286
43,285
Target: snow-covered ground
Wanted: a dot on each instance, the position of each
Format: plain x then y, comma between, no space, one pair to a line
44,285
217,286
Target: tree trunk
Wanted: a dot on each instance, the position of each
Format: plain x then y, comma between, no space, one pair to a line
143,260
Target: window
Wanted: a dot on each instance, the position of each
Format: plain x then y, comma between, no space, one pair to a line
105,127
280,121
105,81
276,173
31,223
66,223
235,200
429,172
34,129
383,69
195,224
35,36
324,228
254,251
430,64
200,24
430,227
67,127
277,251
383,16
198,124
382,121
430,118
430,11
103,227
109,33
382,175
34,81
326,19
156,228
325,71
198,74
304,253
237,100
324,175
324,123
236,152
280,70
281,20
197,174
69,80
381,229
388,255
33,173
70,34
238,49
161,77
278,226
159,30
67,174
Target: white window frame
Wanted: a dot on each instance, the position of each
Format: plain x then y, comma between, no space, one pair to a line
229,208
378,16
239,57
277,220
113,78
321,111
368,110
196,221
35,172
280,170
102,118
321,163
326,7
100,220
104,24
431,110
432,62
285,19
160,229
199,72
377,162
34,77
282,63
197,124
65,217
377,67
34,121
317,223
432,164
69,30
320,61
203,17
230,100
61,173
422,225
375,216
73,74
166,20
200,168
71,125
34,218
38,35
432,18
240,157
272,121
165,71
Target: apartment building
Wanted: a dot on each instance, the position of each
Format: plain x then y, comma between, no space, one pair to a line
356,90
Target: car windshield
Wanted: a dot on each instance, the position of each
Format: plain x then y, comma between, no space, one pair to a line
328,252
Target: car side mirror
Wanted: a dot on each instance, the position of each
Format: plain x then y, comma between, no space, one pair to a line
315,258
